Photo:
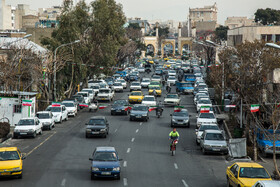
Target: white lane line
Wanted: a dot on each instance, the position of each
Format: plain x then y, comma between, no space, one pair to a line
132,140
63,182
141,123
137,130
40,144
116,130
124,163
125,181
185,184
176,166
128,150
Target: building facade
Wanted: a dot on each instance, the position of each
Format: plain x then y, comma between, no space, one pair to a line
239,35
205,14
5,16
22,10
234,22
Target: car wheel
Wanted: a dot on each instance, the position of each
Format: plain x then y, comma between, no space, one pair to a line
105,136
112,113
41,132
118,177
60,120
228,184
15,137
50,127
189,125
197,142
203,151
92,177
130,119
20,176
66,119
87,136
34,135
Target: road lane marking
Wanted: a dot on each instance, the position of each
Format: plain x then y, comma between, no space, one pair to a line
63,182
185,184
125,181
176,166
141,123
128,150
137,130
132,140
116,130
124,163
40,144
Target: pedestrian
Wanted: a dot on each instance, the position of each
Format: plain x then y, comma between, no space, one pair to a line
163,83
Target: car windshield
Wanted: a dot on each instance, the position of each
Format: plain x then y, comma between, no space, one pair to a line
172,96
96,122
120,102
155,88
9,155
149,99
140,108
250,172
88,91
83,94
95,87
136,93
208,127
172,71
214,136
121,80
24,122
68,104
204,101
103,91
145,81
187,85
54,109
181,114
105,156
207,115
135,84
171,78
118,84
202,86
158,71
156,77
43,115
154,83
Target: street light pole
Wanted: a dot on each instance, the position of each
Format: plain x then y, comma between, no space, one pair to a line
54,77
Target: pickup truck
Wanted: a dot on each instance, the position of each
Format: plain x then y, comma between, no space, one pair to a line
184,87
105,94
265,141
190,78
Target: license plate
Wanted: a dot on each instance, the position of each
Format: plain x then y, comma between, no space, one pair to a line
102,98
23,133
180,123
105,173
216,149
95,132
118,111
5,173
138,116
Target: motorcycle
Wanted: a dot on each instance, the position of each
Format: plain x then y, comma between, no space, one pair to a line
159,113
173,147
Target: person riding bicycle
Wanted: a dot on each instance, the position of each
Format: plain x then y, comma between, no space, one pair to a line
173,135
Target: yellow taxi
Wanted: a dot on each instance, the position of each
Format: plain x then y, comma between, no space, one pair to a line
11,162
167,65
165,58
151,61
156,88
245,174
135,97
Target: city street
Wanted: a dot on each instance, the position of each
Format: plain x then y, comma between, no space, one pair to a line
60,157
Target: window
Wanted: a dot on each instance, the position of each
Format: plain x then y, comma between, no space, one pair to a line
263,37
269,37
17,108
277,38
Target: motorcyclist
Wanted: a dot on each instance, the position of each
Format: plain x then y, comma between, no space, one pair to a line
168,87
154,92
173,135
159,108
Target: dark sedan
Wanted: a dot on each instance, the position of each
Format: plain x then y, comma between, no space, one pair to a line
97,126
139,112
120,107
181,118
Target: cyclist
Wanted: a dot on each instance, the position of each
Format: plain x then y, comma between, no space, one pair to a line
173,135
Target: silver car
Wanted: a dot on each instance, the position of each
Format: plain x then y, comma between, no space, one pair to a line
213,141
181,118
139,112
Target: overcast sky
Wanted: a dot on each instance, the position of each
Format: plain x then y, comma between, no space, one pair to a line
172,9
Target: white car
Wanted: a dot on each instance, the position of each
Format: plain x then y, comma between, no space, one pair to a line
105,94
135,86
117,87
71,108
172,100
85,95
95,89
141,70
171,73
46,118
104,85
59,112
149,100
206,118
171,80
124,84
145,83
198,96
202,128
203,102
28,127
91,93
156,78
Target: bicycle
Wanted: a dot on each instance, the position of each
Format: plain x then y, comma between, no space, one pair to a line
173,147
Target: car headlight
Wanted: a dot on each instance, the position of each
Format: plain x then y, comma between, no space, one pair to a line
207,146
46,123
186,120
144,115
16,130
94,169
88,130
116,169
103,130
132,114
30,130
15,169
173,120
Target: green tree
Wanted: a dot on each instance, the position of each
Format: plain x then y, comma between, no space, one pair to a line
221,33
162,32
134,26
267,16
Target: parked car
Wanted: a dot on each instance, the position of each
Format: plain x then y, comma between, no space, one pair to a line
139,112
135,97
149,100
213,141
245,174
46,118
135,86
59,112
181,118
172,100
120,106
117,87
206,118
97,126
105,163
28,127
265,143
202,128
71,108
11,162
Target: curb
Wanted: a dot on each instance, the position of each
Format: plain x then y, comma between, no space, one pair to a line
3,140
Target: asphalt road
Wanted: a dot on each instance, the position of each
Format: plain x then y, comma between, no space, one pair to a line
60,157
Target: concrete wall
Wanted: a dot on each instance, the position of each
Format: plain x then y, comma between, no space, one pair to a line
37,33
206,26
29,21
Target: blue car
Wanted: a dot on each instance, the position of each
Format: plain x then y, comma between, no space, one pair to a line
105,163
